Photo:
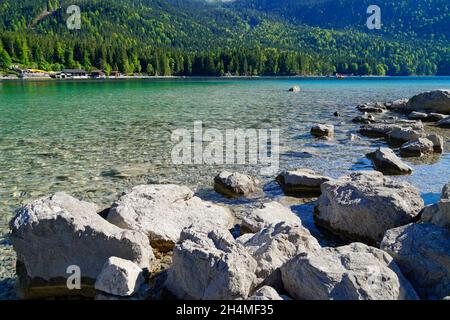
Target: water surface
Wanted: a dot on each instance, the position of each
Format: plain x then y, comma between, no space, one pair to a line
97,139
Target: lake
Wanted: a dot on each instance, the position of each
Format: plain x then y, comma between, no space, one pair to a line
97,139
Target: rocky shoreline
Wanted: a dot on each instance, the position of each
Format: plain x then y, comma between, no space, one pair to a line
163,242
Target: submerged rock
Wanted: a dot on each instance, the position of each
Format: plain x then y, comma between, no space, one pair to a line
323,130
267,214
120,277
422,251
210,265
436,101
235,184
301,181
55,233
353,272
385,160
417,148
363,205
274,246
162,211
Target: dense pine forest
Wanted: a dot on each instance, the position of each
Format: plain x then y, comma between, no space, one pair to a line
214,38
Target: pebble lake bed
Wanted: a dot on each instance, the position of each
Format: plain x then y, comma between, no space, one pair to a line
95,140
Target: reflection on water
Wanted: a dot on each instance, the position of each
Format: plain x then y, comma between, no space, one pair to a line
96,139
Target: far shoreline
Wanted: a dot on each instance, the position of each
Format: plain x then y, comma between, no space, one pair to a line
275,77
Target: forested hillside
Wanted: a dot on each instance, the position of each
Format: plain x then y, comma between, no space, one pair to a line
402,19
195,37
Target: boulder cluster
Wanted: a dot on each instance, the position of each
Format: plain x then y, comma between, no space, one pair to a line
398,249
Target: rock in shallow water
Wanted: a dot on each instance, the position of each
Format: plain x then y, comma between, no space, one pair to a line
120,277
436,101
397,105
53,233
322,130
386,161
162,211
405,134
400,130
422,251
363,205
365,118
417,148
235,184
301,182
372,108
210,265
353,272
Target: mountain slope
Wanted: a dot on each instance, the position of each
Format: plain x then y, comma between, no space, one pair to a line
426,19
196,37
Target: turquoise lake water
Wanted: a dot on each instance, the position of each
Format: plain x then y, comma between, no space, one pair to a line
97,139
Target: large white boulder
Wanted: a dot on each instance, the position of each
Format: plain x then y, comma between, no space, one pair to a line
422,251
276,245
363,205
57,232
120,277
431,101
162,211
210,265
261,217
353,272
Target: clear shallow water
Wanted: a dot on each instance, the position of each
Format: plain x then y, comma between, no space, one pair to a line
96,139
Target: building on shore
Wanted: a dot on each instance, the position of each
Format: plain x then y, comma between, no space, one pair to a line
97,74
115,74
72,74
